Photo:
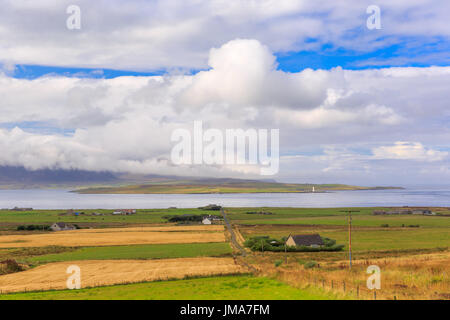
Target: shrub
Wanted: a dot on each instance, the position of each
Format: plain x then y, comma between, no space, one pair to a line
32,227
385,225
10,266
310,265
278,263
328,242
184,218
213,207
266,243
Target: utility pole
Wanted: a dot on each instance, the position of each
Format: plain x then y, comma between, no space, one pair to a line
349,212
285,252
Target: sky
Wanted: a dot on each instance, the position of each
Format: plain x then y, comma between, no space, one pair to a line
353,105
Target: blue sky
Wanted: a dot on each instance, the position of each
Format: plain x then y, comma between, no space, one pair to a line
407,52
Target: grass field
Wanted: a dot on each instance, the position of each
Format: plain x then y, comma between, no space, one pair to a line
412,250
156,251
10,218
364,239
213,288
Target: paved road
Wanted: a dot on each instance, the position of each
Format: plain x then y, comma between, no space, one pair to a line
233,236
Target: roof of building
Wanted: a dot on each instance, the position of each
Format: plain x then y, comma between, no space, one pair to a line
63,224
307,239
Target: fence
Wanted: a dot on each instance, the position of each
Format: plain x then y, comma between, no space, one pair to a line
345,288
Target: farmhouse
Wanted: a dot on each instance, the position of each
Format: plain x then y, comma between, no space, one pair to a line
212,219
423,211
60,226
307,240
206,221
391,212
124,212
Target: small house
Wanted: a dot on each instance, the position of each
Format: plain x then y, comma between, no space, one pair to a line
206,221
61,226
306,240
124,212
423,211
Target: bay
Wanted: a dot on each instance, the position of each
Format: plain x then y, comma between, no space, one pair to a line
63,199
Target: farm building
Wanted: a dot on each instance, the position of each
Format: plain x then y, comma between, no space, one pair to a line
307,240
212,219
60,226
206,221
124,212
423,211
391,212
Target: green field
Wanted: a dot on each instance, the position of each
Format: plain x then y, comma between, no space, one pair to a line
372,239
155,251
361,221
213,288
149,216
329,216
369,232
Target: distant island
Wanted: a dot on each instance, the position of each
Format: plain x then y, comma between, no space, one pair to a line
211,186
91,182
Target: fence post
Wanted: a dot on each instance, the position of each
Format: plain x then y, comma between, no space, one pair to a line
332,284
374,295
357,291
344,285
323,283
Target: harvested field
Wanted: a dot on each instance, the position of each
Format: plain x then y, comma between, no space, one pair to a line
81,238
419,276
109,272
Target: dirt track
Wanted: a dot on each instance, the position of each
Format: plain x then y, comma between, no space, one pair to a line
109,272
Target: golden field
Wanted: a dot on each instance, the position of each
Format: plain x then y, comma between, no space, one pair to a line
111,237
109,272
421,276
201,228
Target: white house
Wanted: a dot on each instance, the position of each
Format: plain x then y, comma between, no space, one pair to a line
60,226
206,221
